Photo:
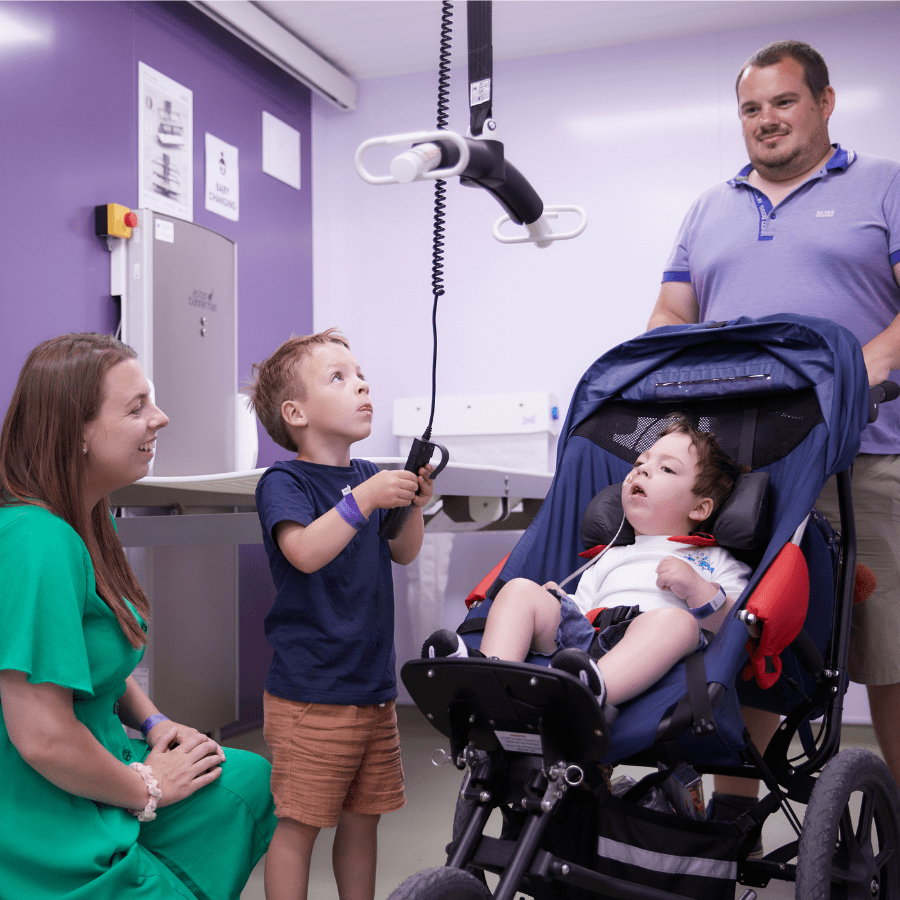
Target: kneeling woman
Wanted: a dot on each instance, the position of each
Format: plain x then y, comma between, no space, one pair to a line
90,813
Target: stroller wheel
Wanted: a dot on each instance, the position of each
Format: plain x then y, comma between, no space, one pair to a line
850,842
441,884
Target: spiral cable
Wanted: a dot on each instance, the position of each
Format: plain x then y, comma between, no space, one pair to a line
440,193
444,64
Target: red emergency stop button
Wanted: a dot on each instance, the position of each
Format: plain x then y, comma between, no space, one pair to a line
112,220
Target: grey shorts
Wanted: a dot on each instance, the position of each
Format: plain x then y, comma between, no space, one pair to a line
875,631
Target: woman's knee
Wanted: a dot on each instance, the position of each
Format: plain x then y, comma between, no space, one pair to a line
248,777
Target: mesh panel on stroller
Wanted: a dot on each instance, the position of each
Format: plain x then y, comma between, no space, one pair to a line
787,396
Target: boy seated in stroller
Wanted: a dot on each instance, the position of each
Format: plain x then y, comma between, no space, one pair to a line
672,580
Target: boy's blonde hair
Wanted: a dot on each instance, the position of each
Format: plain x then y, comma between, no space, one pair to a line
277,379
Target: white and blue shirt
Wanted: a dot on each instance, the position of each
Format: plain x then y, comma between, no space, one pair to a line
626,576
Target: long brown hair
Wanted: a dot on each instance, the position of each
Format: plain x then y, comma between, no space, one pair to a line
60,390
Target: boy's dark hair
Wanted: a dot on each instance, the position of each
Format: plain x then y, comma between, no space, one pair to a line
815,72
717,472
277,379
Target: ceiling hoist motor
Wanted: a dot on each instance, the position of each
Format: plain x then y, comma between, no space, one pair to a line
477,159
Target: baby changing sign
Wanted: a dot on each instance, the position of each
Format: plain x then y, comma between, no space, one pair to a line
222,184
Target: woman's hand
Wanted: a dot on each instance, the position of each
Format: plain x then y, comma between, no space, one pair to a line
182,733
183,760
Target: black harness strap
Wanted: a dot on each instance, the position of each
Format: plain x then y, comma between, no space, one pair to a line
701,708
481,63
468,626
748,437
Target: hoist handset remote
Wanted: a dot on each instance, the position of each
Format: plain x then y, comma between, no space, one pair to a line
419,455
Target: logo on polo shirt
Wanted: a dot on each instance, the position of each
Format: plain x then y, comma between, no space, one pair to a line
824,213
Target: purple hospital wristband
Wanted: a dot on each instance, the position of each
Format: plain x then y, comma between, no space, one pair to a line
350,512
151,721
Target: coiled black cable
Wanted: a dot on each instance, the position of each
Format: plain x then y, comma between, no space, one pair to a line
440,193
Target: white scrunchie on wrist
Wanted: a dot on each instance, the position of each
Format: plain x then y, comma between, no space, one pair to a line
148,813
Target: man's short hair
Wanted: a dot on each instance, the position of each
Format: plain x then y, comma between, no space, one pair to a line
277,379
717,472
815,72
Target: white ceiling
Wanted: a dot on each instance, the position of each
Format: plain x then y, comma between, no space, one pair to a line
379,38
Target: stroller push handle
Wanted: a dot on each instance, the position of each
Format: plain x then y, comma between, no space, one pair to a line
881,393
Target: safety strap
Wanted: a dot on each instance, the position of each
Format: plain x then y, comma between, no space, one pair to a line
475,623
748,437
481,63
607,616
701,708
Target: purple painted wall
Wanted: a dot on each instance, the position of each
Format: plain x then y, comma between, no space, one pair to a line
68,142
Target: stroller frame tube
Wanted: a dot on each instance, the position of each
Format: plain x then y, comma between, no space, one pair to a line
845,591
799,778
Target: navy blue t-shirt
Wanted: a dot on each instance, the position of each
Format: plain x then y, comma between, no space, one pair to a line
332,630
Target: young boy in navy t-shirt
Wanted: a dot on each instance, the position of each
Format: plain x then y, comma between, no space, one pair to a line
330,719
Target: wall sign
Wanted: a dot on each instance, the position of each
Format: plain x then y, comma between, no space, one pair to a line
280,150
165,144
222,184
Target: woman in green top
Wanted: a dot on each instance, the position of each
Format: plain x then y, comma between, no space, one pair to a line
87,812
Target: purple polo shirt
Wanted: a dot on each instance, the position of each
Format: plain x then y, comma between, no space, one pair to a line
828,249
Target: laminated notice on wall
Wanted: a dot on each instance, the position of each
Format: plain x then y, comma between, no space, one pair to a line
165,144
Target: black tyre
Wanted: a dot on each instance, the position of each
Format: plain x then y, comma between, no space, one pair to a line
850,843
441,884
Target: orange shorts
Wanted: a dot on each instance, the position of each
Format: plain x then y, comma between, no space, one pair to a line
326,759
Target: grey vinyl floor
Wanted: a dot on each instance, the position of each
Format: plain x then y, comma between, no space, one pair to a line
415,837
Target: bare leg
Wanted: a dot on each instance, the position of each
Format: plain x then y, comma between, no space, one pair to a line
651,645
762,725
287,860
354,856
524,616
884,703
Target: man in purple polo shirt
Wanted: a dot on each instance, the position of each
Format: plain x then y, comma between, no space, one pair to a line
811,228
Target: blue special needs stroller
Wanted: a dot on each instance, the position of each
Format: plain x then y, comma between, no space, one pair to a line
787,396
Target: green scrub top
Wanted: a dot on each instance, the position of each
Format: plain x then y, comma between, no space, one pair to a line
57,630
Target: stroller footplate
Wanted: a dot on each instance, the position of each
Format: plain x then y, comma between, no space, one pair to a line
520,708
